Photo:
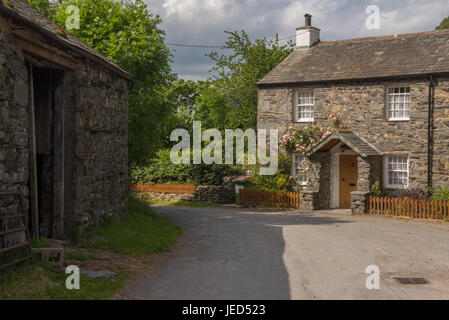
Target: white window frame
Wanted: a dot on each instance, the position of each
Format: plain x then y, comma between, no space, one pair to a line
309,105
304,181
398,98
388,169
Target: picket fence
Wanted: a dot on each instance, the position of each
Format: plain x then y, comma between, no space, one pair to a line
270,199
164,188
425,209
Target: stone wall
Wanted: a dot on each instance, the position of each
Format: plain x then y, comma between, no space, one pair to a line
369,171
441,135
14,167
96,139
171,197
359,202
316,195
224,194
100,185
215,194
362,108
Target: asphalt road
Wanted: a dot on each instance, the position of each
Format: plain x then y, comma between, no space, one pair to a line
241,254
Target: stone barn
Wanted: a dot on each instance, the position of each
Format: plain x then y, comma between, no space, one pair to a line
63,126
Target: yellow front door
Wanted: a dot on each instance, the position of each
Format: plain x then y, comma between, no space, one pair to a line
348,179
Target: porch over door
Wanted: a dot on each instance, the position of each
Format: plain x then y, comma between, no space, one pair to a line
348,179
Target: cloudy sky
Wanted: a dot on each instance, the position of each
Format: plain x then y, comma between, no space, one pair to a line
203,22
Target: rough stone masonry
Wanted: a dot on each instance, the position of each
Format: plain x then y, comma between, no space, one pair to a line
361,107
94,126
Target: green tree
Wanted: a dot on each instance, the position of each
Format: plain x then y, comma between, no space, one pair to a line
43,6
182,96
444,24
126,32
230,98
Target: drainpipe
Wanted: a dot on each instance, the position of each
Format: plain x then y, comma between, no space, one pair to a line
432,82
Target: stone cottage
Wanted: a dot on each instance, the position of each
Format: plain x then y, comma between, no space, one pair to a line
63,125
392,96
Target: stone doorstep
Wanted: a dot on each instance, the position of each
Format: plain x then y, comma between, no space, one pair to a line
48,253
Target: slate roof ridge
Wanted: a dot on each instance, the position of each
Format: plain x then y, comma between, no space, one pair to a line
384,37
395,56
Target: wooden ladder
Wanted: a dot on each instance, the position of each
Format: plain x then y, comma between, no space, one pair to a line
21,215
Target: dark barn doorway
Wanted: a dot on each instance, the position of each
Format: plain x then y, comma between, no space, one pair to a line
46,152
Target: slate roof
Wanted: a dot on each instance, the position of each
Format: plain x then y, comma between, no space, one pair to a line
351,139
413,54
30,16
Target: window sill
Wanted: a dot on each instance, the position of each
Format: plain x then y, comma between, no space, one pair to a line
305,121
399,120
398,187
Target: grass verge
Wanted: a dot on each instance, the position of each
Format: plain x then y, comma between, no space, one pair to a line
143,232
128,244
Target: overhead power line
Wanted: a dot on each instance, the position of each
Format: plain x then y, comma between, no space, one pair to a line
191,45
210,46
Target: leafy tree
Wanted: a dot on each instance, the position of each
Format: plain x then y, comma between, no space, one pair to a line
43,6
182,96
444,24
126,32
230,99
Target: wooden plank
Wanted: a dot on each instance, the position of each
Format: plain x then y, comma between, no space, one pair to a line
445,209
15,262
32,150
4,233
38,48
17,246
12,217
58,158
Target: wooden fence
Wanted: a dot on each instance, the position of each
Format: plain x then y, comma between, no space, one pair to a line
270,199
426,209
164,188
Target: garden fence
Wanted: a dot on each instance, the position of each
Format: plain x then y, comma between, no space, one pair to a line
426,209
164,188
270,199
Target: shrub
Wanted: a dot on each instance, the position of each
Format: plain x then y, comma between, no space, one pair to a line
280,182
377,190
161,170
441,194
414,194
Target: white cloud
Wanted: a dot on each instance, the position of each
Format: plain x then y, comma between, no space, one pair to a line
204,22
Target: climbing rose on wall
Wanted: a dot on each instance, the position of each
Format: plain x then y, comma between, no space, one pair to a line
304,139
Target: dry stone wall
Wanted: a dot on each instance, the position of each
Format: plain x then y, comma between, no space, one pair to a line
14,166
96,139
99,103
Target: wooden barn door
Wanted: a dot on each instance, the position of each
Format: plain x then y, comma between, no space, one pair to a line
348,179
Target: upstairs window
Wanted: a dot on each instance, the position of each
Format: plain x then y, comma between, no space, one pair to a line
301,173
396,174
305,101
398,103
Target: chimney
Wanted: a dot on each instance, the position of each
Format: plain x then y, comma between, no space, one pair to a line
307,36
